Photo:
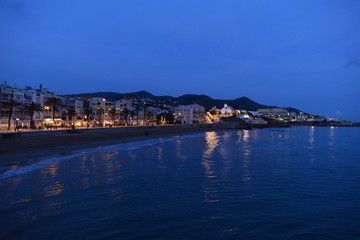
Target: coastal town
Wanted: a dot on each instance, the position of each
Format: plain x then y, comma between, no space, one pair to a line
38,108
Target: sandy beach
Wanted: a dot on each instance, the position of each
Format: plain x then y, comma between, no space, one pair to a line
18,151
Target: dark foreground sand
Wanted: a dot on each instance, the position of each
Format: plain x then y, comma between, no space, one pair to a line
15,151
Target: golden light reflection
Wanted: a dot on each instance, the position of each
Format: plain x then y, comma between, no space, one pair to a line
55,189
50,170
212,141
110,155
24,200
208,168
53,168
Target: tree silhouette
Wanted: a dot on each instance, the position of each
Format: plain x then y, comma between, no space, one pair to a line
71,113
54,102
11,104
32,108
112,113
87,113
99,113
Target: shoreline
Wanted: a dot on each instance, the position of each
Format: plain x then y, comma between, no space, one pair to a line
24,150
21,151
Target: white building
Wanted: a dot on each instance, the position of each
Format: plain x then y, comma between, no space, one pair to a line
7,94
188,114
226,111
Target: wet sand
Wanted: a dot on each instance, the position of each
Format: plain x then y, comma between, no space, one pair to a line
18,151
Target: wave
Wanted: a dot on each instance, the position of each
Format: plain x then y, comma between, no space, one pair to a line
44,162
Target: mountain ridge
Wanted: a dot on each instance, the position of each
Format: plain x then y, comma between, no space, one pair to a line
201,99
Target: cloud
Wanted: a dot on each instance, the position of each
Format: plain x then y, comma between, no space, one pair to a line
12,5
353,62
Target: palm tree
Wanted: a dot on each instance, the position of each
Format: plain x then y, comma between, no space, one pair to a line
54,102
112,113
87,113
11,105
160,118
132,114
145,113
71,113
137,109
99,113
168,117
125,113
32,108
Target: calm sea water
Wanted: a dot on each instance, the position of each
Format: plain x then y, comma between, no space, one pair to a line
293,183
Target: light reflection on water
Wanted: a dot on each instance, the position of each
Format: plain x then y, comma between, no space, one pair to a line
179,155
212,141
245,146
311,145
208,163
246,136
332,137
221,185
311,136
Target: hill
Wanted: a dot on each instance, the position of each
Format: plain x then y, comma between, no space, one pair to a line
204,100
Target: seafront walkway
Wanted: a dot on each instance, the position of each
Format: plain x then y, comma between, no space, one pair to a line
27,132
3,130
23,132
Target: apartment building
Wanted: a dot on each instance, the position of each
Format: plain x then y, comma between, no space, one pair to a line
188,114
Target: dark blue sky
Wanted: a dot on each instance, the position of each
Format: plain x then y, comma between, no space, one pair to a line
303,54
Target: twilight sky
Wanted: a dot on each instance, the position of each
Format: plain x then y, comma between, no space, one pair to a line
303,54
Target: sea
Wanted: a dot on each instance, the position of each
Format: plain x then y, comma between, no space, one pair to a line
274,183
